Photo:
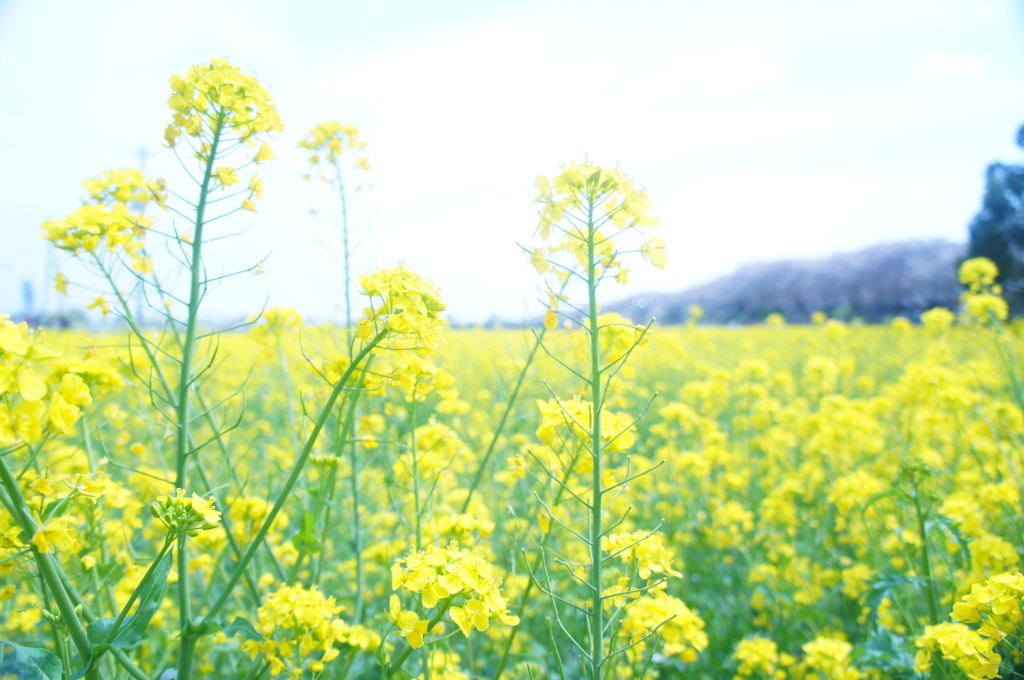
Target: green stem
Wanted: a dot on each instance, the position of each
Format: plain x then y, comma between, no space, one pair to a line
933,601
292,479
60,643
415,473
345,247
596,502
107,588
357,534
189,349
47,569
183,415
186,651
78,601
289,407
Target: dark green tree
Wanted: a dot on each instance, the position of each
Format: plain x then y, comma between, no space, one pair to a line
997,231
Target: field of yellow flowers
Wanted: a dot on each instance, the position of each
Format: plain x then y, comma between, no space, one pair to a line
590,498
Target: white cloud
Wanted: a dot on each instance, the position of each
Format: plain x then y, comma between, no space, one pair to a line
947,64
751,145
717,72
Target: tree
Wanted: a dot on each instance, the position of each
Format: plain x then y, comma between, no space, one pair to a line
997,231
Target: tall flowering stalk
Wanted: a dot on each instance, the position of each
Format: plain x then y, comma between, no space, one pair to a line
336,153
218,110
588,216
222,118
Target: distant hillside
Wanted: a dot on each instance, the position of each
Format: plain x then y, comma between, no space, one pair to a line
880,282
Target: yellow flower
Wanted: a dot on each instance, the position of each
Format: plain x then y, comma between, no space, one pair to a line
256,187
62,415
473,615
978,273
986,307
54,535
938,318
300,629
181,514
539,261
100,303
220,95
330,139
758,657
448,575
973,654
654,252
682,629
74,390
265,153
226,175
646,548
405,305
410,626
544,521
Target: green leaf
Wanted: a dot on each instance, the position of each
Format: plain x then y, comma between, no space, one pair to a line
888,652
133,628
306,539
28,663
242,627
887,582
952,530
56,508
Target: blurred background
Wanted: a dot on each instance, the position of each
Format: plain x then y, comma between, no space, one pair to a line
769,136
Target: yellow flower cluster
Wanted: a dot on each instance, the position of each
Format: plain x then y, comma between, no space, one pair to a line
978,274
442,577
219,96
759,657
112,218
565,421
618,337
274,323
586,194
23,414
126,186
995,604
330,139
405,305
938,318
974,654
417,378
55,534
827,657
300,629
982,301
579,183
680,628
247,513
10,544
646,549
61,532
183,515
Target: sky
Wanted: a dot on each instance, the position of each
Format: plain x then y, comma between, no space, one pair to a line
760,130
